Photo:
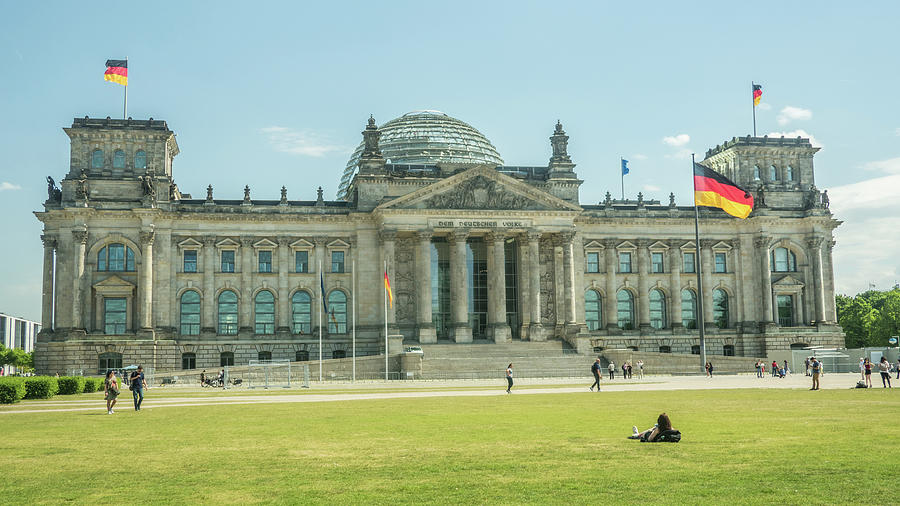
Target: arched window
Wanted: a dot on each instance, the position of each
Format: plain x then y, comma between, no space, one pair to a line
773,173
337,312
97,159
720,308
226,358
109,360
338,354
783,260
115,257
264,355
689,309
789,173
140,159
300,313
657,309
264,308
118,159
188,360
756,172
592,310
302,356
625,309
228,313
190,313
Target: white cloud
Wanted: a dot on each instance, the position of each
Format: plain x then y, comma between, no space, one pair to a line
677,140
798,133
897,132
651,188
639,157
791,113
299,142
889,166
9,186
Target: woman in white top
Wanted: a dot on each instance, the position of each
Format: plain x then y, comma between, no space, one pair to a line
508,377
885,367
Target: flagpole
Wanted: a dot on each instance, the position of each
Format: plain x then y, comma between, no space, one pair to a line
622,171
753,105
699,267
125,110
353,294
385,328
321,301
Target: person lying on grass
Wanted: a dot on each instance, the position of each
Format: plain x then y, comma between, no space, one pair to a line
663,424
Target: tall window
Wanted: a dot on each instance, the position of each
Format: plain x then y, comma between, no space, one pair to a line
728,350
109,360
337,261
789,173
689,309
756,172
720,308
593,261
264,355
140,159
97,159
657,309
190,260
690,265
226,358
695,349
265,261
118,159
115,258
228,261
300,313
773,173
656,262
592,310
188,360
785,310
190,313
721,266
337,312
625,309
264,308
228,313
302,356
114,315
624,262
301,261
783,260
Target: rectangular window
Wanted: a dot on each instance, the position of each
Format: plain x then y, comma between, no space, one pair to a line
265,261
593,262
116,257
625,262
228,261
190,261
301,261
720,263
114,316
656,262
785,310
189,361
689,264
337,261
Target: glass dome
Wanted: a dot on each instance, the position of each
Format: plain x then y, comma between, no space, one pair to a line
426,138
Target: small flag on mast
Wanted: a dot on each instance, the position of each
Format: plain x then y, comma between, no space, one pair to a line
715,190
757,94
116,71
387,287
322,291
624,166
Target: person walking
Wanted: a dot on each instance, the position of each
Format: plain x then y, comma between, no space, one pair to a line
509,382
709,369
612,370
867,367
758,369
774,368
641,368
203,378
815,366
137,383
787,370
862,368
625,370
110,391
885,367
807,366
595,370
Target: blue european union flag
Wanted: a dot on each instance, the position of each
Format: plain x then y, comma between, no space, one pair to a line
624,166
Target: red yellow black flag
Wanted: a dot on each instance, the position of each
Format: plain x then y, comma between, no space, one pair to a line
715,190
116,71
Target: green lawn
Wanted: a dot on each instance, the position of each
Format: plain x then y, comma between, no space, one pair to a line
739,446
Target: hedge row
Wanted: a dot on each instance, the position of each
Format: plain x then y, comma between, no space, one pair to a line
13,389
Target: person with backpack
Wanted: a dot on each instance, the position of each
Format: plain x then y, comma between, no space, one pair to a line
595,370
612,369
815,366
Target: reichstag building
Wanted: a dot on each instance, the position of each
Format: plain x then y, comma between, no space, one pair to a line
138,271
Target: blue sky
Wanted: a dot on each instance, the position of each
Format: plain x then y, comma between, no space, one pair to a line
276,93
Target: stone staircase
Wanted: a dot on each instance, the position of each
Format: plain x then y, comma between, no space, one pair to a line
485,359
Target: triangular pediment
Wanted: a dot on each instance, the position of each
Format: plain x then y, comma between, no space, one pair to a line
264,243
227,243
190,242
481,188
721,246
594,245
659,245
301,244
788,280
626,245
690,245
338,244
113,281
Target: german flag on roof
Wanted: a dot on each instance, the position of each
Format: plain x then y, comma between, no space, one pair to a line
116,71
712,189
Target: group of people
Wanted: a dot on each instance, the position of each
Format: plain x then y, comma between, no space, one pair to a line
627,369
210,381
777,371
111,386
709,369
884,366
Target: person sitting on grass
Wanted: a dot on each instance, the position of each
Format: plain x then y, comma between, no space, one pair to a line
663,427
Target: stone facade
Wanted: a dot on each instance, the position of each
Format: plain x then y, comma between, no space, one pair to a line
136,271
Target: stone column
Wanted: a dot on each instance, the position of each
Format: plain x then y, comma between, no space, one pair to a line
568,245
762,246
209,301
736,304
47,288
536,329
706,274
425,324
831,305
496,267
460,330
612,265
80,239
284,290
815,252
388,239
245,304
145,287
643,284
675,266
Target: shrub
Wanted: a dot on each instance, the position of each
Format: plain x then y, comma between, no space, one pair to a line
92,384
11,390
69,385
40,387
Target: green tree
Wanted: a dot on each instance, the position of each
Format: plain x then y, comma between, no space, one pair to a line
857,317
888,323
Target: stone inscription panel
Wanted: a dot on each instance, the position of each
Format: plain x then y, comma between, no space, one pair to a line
475,223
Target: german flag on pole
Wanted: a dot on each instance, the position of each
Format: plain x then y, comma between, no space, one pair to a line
757,94
387,288
712,189
116,71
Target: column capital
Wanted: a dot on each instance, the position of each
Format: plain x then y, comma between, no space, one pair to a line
147,237
708,243
246,241
209,241
284,241
387,235
735,244
566,237
815,242
610,244
459,235
80,235
533,235
761,242
49,240
644,243
423,235
352,241
675,245
494,237
320,241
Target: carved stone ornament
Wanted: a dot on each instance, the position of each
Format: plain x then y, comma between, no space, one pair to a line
480,193
147,237
370,140
209,193
672,199
283,195
247,194
761,242
49,241
80,236
559,141
386,235
54,194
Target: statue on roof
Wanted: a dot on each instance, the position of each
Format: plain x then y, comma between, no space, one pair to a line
559,141
54,194
370,139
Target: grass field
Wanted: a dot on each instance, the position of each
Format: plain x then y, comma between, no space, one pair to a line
739,446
